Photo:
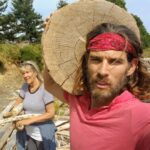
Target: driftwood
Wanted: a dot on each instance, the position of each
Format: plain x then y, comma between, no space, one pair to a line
65,126
17,118
63,139
11,142
6,135
8,132
7,109
14,111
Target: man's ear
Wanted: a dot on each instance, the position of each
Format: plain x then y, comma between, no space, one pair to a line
133,66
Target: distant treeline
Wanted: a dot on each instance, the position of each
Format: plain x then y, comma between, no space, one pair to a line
23,24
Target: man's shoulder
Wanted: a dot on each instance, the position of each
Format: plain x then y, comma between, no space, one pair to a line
76,98
142,106
141,111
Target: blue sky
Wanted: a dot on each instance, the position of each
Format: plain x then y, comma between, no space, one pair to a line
141,9
137,7
45,7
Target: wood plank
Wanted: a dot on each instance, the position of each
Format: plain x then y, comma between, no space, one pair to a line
63,127
17,118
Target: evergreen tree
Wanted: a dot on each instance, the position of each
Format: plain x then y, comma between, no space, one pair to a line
61,4
120,3
9,28
145,36
28,23
3,6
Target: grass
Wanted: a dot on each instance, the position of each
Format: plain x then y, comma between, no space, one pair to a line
61,109
9,52
147,52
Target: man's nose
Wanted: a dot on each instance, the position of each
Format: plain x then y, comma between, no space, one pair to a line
104,68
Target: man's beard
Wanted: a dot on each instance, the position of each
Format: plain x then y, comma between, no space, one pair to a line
105,96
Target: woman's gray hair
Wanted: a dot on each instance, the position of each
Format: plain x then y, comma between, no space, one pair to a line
33,66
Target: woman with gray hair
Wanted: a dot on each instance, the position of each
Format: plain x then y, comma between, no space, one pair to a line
39,131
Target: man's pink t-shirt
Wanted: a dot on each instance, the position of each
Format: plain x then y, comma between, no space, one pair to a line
123,125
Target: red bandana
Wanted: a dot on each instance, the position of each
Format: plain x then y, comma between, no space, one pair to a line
110,41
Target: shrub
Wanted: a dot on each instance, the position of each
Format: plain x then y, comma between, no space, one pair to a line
9,52
32,52
147,52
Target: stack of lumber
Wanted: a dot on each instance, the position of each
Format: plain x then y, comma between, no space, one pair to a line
8,132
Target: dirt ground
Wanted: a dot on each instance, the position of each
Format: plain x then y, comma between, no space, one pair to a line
10,82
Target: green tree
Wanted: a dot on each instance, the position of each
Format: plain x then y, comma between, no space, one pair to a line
120,3
145,36
3,6
9,28
29,24
61,4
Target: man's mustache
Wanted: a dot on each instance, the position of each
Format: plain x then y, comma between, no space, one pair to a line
101,79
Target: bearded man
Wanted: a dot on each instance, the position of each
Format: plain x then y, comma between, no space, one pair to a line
106,108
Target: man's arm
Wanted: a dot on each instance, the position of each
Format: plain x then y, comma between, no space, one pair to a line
52,87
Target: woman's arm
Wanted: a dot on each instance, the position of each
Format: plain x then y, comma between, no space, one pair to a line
52,87
49,114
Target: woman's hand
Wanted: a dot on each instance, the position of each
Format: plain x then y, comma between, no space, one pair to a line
20,124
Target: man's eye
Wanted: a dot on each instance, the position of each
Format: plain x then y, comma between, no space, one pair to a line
115,62
95,60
